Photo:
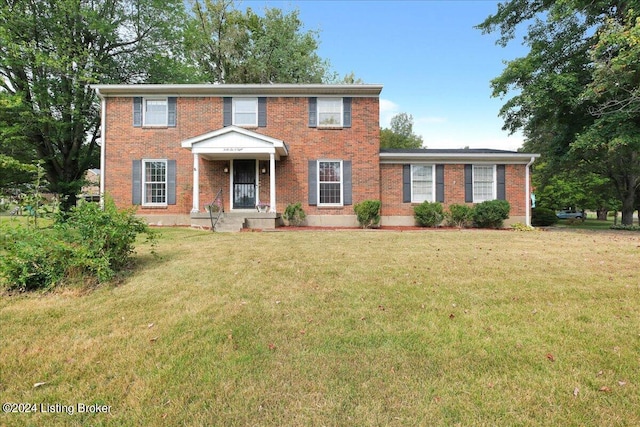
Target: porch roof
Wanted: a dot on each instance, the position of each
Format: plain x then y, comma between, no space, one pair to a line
234,142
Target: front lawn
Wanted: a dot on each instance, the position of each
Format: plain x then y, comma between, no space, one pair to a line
364,328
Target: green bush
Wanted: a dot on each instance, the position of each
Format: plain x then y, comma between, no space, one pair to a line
542,217
491,213
429,214
90,245
294,214
368,213
460,216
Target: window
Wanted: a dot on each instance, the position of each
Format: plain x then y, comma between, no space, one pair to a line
422,183
154,182
330,112
330,183
484,183
155,112
245,111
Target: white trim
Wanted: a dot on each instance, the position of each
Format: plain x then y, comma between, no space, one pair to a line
494,189
457,157
320,204
433,182
103,152
196,184
340,113
234,142
144,182
233,111
261,90
272,183
166,112
527,196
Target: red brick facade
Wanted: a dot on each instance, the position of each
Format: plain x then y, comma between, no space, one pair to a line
199,111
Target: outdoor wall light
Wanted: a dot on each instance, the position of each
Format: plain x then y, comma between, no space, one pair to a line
226,169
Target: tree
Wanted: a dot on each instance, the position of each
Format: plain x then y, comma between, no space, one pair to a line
234,47
50,51
567,82
400,135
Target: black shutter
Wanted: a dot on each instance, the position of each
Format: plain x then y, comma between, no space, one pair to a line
313,182
227,111
136,183
137,112
347,198
406,183
313,112
501,187
171,182
172,111
468,183
346,112
440,183
262,112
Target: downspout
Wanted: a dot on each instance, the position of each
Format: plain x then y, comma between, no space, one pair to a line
527,196
103,131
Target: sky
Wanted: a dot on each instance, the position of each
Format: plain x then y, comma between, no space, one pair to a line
431,61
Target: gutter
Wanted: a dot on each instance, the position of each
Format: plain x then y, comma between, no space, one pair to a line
527,196
103,132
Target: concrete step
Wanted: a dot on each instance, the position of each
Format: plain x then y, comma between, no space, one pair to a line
230,223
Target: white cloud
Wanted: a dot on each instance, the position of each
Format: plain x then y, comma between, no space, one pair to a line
388,109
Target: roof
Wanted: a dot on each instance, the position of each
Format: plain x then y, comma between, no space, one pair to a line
355,90
446,155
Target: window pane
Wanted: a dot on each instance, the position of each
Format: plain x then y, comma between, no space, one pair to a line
330,111
483,183
245,111
155,182
329,179
421,183
329,171
155,112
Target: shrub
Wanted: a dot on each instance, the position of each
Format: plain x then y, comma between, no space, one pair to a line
368,213
459,215
491,213
542,217
294,214
518,226
429,214
91,245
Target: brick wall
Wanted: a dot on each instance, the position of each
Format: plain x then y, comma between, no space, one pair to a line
391,194
287,120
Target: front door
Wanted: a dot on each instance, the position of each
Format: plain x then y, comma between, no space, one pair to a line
244,184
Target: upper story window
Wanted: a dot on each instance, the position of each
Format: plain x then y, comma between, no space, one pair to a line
484,183
330,112
422,183
155,112
245,112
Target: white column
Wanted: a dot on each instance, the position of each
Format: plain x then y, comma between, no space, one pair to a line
196,184
272,182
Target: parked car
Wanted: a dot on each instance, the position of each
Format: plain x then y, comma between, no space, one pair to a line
570,213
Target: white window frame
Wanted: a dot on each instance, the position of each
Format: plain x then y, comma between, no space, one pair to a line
145,182
145,117
234,111
323,102
341,203
494,186
415,199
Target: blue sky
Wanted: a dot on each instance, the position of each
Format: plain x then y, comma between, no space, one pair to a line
433,64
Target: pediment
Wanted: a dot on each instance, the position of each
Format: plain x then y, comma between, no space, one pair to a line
234,142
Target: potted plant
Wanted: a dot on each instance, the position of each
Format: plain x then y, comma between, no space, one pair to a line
262,207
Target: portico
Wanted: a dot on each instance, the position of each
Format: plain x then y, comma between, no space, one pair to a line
242,148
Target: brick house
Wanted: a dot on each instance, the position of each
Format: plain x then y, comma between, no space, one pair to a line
171,149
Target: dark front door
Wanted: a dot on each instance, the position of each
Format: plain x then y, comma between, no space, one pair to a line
244,184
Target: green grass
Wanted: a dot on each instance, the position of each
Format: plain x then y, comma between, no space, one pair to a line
362,328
